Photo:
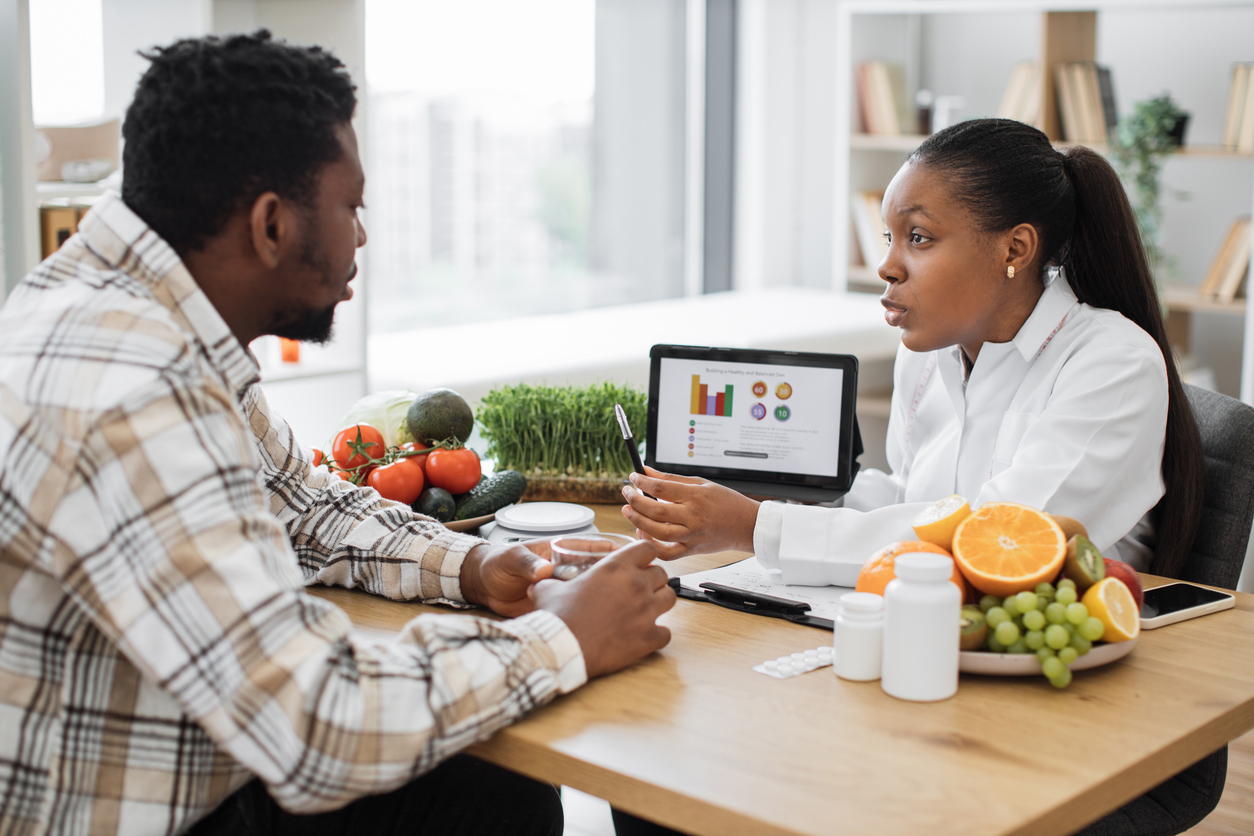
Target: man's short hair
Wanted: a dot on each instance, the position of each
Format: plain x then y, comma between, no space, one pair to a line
216,122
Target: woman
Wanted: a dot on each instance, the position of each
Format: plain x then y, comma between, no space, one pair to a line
1034,368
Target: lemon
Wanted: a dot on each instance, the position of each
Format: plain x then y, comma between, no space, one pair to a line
1110,602
937,522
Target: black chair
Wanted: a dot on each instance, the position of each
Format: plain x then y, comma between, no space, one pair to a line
1227,429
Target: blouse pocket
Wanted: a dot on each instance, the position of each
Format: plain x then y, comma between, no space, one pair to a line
1013,427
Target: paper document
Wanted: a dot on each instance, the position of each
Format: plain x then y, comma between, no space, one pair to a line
749,575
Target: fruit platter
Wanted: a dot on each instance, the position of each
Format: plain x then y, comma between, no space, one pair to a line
1038,597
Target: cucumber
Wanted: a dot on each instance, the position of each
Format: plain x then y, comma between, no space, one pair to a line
491,495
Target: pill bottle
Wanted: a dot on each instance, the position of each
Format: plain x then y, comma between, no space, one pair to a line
859,639
922,609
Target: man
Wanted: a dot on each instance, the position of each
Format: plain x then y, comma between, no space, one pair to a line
160,660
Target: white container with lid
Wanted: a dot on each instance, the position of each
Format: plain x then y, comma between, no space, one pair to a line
922,609
859,638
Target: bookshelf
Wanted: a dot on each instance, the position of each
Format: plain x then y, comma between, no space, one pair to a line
1068,32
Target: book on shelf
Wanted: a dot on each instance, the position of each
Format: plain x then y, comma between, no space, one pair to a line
1224,280
1239,119
1022,99
868,222
1086,101
882,98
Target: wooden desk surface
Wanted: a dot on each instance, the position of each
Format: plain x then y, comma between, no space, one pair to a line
692,738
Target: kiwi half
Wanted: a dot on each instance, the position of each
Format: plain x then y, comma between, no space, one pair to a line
1084,563
973,629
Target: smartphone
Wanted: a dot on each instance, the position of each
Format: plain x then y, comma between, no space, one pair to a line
1178,601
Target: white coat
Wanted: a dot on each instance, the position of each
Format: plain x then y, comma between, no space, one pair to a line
1070,417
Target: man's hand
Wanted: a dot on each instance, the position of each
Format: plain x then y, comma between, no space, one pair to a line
690,515
613,607
498,577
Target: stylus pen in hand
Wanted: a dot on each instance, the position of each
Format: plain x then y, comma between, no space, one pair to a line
630,442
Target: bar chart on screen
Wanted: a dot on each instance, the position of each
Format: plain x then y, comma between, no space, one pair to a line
706,402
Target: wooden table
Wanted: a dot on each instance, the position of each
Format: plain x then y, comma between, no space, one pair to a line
692,738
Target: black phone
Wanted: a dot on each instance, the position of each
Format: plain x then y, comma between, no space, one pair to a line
1178,601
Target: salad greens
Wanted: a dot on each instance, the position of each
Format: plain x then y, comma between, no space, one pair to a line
561,430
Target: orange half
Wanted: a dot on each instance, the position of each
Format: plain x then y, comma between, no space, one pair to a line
1004,548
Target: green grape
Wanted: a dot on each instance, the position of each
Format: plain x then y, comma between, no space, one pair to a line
1057,637
1025,601
1063,679
1071,628
1066,595
1077,614
1043,601
1081,644
1007,633
996,616
1055,613
1053,667
1092,629
994,645
1034,639
1034,620
1044,653
1010,606
1068,655
1018,647
1045,588
1067,582
988,602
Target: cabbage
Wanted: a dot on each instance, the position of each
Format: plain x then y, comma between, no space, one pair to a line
386,412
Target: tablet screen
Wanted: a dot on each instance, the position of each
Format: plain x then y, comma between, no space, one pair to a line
768,416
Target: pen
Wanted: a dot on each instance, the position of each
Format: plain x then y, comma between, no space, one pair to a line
630,442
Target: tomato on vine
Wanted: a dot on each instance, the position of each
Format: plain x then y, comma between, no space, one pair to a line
318,457
457,471
356,446
401,481
414,452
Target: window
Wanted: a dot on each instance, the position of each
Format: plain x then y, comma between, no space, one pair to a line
522,157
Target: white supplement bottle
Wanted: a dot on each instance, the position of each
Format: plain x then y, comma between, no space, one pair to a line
921,615
859,638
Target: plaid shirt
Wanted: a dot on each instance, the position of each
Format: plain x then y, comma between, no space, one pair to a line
158,525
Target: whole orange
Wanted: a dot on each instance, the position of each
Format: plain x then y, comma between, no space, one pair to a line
879,568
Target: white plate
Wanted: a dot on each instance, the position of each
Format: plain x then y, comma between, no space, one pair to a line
1026,664
542,517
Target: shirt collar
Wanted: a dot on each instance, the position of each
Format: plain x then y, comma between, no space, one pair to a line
1046,319
123,240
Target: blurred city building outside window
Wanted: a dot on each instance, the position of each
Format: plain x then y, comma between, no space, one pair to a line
493,186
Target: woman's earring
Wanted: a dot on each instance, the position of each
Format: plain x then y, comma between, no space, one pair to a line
1010,272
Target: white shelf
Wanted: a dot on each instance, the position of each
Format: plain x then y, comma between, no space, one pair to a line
51,189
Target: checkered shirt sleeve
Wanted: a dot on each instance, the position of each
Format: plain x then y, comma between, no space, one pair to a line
158,525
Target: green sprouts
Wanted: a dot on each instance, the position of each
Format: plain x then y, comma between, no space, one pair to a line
561,430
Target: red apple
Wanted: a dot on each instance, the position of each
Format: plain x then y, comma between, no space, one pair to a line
1124,572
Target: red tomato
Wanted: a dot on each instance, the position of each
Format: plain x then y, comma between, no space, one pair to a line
317,457
457,471
400,481
410,446
346,451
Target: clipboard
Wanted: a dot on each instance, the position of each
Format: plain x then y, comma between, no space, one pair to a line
747,587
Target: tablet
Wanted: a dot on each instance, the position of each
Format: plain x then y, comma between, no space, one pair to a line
774,424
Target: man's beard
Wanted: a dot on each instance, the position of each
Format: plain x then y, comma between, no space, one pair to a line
310,326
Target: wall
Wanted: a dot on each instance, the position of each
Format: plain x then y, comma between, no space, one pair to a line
17,139
134,25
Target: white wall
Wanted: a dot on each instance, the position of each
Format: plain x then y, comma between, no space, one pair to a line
134,25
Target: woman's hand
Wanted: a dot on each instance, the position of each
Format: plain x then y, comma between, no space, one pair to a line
690,515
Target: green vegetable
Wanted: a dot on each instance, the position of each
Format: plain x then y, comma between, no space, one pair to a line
385,411
439,415
557,430
437,504
491,495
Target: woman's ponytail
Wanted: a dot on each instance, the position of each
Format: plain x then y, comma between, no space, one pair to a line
1007,173
1107,268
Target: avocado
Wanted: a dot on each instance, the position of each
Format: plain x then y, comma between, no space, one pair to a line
439,415
491,495
436,503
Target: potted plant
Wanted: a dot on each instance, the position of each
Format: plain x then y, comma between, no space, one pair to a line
1154,129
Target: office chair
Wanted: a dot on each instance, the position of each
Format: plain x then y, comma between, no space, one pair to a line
1227,429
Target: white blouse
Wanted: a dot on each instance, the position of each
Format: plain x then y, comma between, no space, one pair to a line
1070,416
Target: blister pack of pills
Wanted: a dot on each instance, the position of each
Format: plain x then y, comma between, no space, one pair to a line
803,661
